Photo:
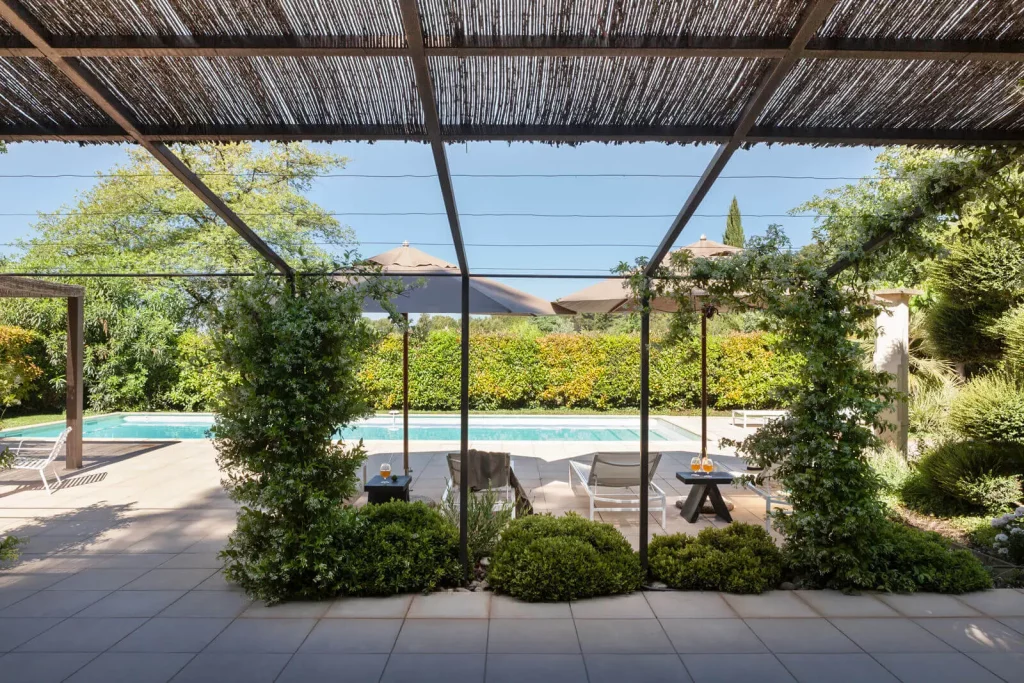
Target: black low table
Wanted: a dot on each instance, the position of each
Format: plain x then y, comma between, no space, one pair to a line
380,490
702,487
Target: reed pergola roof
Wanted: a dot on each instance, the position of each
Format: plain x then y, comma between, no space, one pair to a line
735,73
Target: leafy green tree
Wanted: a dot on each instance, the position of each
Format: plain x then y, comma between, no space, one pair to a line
139,219
734,226
296,360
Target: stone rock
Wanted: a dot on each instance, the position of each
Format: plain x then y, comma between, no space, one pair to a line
658,586
463,590
474,585
485,562
483,586
787,586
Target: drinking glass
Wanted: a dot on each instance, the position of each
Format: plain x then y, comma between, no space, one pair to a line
695,465
708,466
385,470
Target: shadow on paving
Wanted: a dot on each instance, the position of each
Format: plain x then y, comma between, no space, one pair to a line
97,454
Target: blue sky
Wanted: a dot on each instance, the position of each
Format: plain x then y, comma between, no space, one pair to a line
757,197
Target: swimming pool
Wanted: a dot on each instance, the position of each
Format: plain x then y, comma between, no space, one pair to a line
383,427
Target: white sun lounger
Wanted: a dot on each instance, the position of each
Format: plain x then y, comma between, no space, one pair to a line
618,471
40,462
762,416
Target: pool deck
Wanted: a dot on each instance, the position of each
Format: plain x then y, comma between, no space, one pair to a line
120,581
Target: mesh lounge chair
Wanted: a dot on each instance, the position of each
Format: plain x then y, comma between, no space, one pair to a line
766,486
490,471
40,462
618,471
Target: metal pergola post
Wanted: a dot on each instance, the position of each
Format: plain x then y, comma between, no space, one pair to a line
464,433
405,394
645,424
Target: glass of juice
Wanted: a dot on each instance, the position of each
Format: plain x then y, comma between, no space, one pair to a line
695,465
385,470
708,466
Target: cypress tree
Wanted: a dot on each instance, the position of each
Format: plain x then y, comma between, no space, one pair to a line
734,226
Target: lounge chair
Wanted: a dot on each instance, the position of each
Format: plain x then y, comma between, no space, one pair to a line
618,471
762,416
765,486
40,462
493,472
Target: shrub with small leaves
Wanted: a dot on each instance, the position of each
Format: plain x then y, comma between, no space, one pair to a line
990,408
965,476
542,558
1009,541
906,560
741,558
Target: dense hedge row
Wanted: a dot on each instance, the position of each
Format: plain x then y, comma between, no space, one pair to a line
597,371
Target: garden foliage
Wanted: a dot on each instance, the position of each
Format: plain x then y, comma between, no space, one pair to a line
1008,541
959,477
296,357
544,558
590,370
486,519
741,558
990,408
18,365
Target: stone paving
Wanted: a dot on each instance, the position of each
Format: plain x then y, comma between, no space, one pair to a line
120,581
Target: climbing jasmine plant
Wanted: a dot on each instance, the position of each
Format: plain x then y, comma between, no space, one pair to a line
839,534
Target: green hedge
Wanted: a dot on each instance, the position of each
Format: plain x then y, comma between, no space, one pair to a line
596,371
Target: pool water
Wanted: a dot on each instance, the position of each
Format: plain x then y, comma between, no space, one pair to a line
173,426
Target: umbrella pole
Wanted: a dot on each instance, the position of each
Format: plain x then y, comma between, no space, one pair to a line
464,434
405,394
703,383
645,420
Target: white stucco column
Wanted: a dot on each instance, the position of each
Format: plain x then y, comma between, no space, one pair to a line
892,355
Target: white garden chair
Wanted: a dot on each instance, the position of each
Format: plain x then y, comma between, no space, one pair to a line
618,471
40,462
766,486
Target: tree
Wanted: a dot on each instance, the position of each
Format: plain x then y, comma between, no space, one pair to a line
140,219
734,226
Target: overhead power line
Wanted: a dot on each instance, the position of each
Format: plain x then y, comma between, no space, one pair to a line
425,176
484,214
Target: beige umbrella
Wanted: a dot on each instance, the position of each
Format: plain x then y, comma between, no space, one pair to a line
431,285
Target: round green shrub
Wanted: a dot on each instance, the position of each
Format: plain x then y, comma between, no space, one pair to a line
908,560
966,476
398,547
542,558
740,558
990,408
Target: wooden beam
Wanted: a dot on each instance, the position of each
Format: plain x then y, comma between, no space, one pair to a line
74,381
425,88
814,16
13,286
24,23
668,47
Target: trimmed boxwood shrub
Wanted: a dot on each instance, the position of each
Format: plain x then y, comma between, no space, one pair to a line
990,408
398,547
543,558
741,558
908,560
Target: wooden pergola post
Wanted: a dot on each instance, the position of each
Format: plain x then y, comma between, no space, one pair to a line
16,287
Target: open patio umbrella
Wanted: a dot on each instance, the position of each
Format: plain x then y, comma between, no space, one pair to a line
430,286
614,296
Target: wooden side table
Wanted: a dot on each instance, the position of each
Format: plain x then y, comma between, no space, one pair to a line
380,490
704,486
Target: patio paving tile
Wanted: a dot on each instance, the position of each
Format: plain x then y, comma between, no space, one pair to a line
393,607
132,604
42,667
633,606
82,635
890,635
10,596
1016,623
764,668
125,667
524,636
774,604
232,668
163,634
836,668
712,636
208,604
928,605
53,604
688,605
609,668
1001,602
443,636
540,668
217,582
801,636
830,603
262,635
135,561
193,561
504,607
1007,665
353,636
301,609
950,667
349,668
978,634
170,579
98,579
15,631
450,606
428,668
612,636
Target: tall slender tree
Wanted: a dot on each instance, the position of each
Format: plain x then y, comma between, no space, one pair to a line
734,226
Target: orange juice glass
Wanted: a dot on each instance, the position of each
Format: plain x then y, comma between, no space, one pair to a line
695,465
707,466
